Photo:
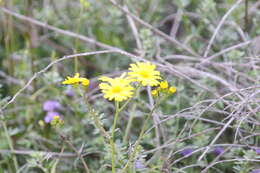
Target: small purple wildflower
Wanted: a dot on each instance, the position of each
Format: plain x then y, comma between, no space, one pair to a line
186,152
255,171
51,105
218,150
257,150
49,116
93,85
139,166
69,92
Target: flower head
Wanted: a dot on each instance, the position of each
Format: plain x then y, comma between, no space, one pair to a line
69,92
257,150
57,121
51,105
164,85
75,80
41,123
186,152
218,150
144,73
154,92
139,165
117,89
49,116
255,171
172,90
84,81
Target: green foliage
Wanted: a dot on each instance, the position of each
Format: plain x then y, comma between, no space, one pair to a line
209,93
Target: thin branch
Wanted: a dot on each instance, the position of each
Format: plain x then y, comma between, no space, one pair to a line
134,30
71,34
176,24
219,26
153,29
30,152
67,141
47,67
225,51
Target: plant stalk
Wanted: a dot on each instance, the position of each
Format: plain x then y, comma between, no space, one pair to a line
10,143
112,139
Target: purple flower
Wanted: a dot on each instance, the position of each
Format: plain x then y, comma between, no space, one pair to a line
93,85
51,105
257,150
139,166
218,150
69,92
256,171
49,116
186,152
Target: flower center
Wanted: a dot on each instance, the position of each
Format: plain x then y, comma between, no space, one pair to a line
144,74
116,89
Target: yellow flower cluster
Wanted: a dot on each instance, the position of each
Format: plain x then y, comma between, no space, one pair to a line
75,80
164,87
120,89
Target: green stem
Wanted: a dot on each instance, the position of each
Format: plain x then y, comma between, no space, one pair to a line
112,140
132,155
10,143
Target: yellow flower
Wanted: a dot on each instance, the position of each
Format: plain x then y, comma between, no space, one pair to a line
164,85
154,92
117,89
144,73
57,121
85,82
76,80
41,123
172,89
85,3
